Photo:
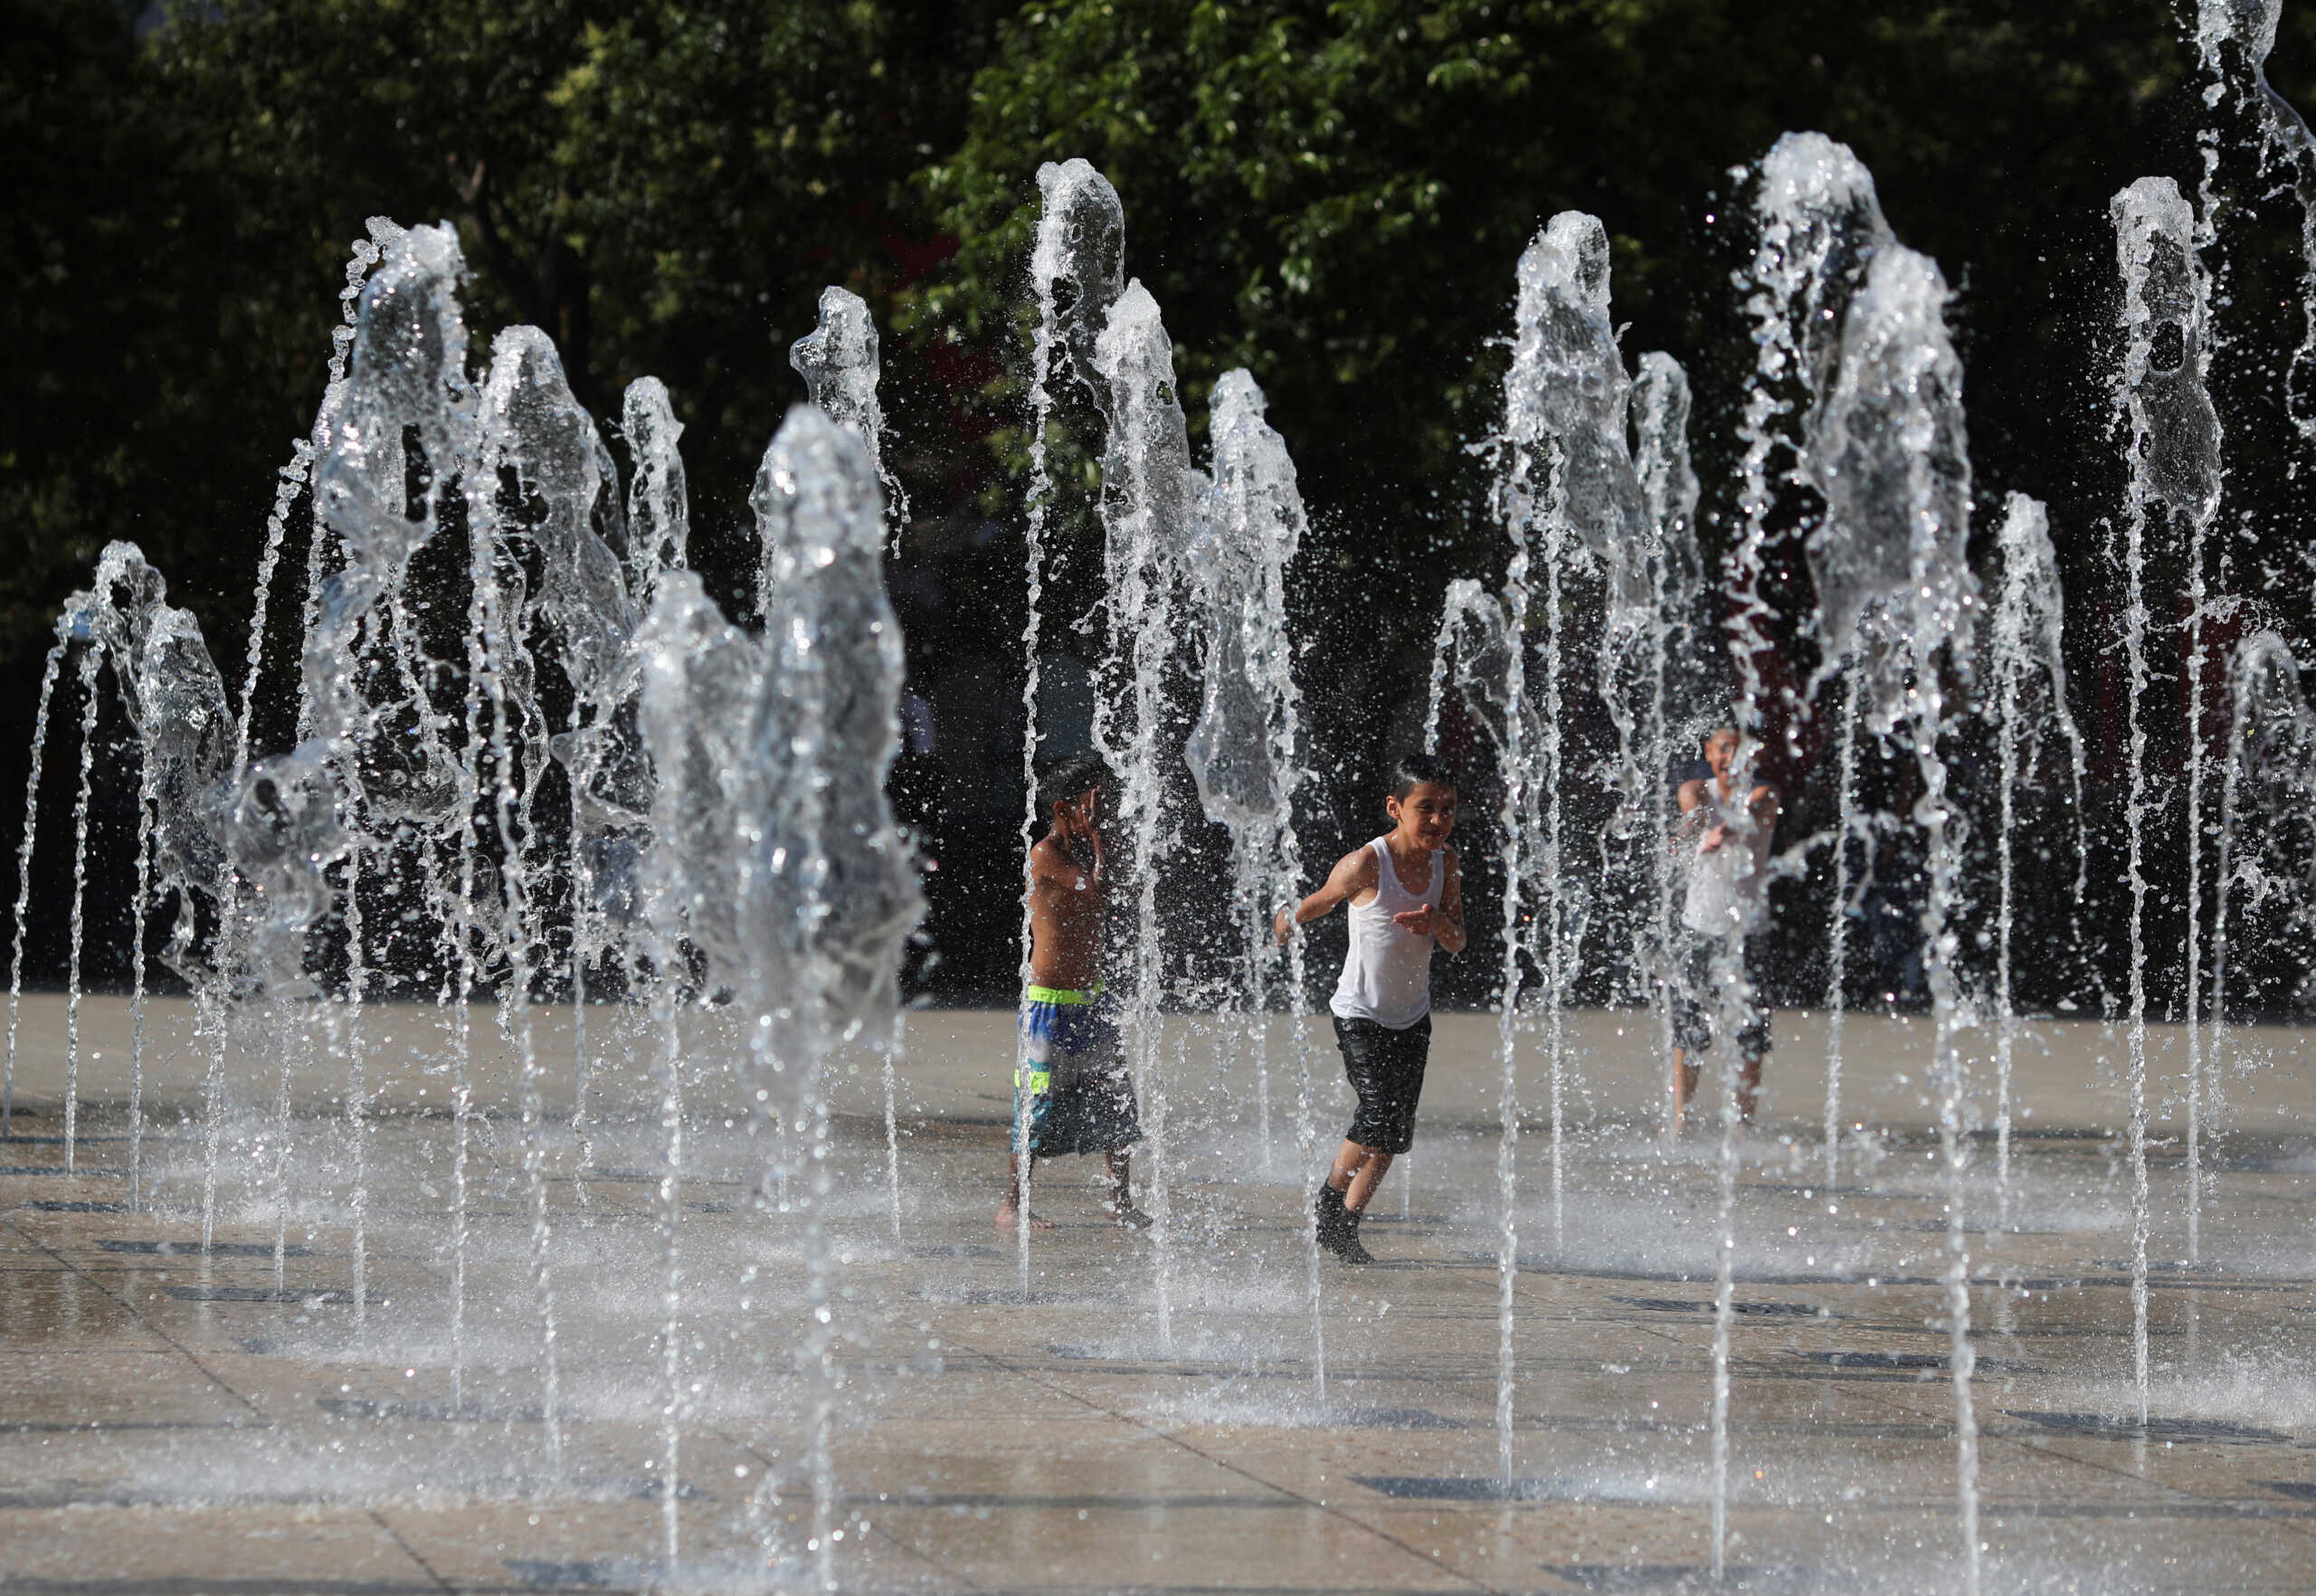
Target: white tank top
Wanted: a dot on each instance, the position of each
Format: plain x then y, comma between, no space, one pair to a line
1386,972
1727,887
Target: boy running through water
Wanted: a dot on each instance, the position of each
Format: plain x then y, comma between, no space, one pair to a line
1405,893
1069,1085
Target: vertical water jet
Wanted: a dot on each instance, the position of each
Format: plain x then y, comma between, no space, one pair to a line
1894,588
829,892
1242,751
1077,273
1668,491
2173,460
1150,500
2026,633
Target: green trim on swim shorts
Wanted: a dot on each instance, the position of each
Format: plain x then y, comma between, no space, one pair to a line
1056,994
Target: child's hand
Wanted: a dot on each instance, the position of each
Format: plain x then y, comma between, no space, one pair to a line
1714,838
1423,922
1282,926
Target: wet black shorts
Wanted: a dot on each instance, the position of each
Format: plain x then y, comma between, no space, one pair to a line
1385,1068
1696,1001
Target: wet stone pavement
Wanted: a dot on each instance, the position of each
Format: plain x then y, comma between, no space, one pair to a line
1143,1418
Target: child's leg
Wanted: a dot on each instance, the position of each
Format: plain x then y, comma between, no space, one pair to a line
1120,1207
1356,1170
1749,1088
1009,1210
1364,1182
1683,1086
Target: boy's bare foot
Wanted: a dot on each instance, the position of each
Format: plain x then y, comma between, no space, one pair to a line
1127,1214
1007,1213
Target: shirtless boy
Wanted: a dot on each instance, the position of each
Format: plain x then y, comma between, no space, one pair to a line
1406,894
1071,1093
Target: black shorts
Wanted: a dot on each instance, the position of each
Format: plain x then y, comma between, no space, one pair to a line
1696,1001
1385,1068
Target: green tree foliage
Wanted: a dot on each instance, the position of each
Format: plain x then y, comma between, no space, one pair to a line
665,188
1333,193
125,339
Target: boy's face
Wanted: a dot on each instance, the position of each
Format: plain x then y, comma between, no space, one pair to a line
1721,751
1426,814
1080,816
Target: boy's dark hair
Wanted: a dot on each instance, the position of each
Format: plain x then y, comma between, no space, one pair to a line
1070,780
1418,768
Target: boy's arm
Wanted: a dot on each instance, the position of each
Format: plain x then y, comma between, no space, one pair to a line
1763,802
1688,796
1354,873
1443,925
1765,806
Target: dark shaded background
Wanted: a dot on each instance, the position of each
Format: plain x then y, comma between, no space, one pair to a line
1332,194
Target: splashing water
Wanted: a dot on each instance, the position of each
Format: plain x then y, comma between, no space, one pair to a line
1151,499
1076,275
50,671
1525,505
1668,489
1821,226
2233,40
2028,623
829,892
1242,750
294,478
1479,658
1567,400
2271,749
1892,459
2175,469
698,675
838,361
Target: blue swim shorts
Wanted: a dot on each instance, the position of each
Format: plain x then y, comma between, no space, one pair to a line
1072,1070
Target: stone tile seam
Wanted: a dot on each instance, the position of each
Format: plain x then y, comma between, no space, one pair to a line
150,1328
1245,1473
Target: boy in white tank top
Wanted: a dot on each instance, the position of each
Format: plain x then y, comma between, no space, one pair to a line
1407,897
